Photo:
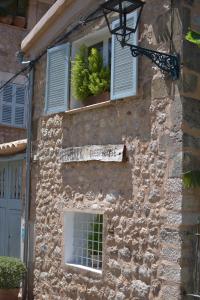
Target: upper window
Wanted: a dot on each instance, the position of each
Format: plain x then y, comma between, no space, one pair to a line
13,12
12,105
83,240
94,69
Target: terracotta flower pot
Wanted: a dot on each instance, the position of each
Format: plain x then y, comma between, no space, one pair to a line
97,99
9,294
19,21
6,20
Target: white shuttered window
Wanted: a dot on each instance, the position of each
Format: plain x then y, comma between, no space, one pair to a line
57,79
13,105
123,65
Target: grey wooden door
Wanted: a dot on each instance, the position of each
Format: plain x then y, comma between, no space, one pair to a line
10,208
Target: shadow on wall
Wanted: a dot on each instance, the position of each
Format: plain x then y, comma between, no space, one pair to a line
119,123
99,178
190,247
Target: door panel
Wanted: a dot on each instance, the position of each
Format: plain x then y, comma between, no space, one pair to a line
2,180
10,207
14,229
3,240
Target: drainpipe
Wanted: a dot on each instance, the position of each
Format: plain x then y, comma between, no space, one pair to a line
27,248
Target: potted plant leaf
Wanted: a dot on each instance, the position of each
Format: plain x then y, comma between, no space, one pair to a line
12,272
80,75
99,77
95,241
90,78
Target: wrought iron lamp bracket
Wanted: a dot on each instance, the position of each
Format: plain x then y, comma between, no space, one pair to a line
167,62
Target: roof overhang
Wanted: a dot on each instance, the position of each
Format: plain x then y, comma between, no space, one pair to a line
61,15
13,147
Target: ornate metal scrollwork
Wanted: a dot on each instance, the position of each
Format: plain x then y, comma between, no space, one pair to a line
166,62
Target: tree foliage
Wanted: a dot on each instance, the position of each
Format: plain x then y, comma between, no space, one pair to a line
191,179
193,37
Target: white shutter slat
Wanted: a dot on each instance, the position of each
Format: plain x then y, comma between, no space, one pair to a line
19,116
8,93
57,82
20,95
123,65
13,105
6,114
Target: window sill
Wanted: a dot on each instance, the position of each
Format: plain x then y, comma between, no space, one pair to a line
108,103
92,106
13,27
84,268
89,107
12,126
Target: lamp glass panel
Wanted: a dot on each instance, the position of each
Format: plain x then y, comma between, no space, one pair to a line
127,6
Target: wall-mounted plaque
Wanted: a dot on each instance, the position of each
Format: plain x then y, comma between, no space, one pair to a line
112,153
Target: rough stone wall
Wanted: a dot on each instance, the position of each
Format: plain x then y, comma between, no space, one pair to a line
191,143
10,44
146,249
9,134
11,38
36,9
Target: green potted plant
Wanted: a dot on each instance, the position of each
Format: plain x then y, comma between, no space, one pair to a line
12,272
90,78
99,76
80,75
94,241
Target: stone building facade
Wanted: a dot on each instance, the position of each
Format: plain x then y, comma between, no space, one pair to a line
13,110
11,37
149,218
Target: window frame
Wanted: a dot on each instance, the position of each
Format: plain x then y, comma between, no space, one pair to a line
89,40
68,239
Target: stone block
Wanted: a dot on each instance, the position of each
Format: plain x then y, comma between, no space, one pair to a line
170,236
140,289
190,81
173,218
191,142
186,14
159,88
171,292
170,272
171,254
191,56
154,195
175,167
174,185
191,111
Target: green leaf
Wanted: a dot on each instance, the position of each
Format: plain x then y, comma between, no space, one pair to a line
12,271
193,37
191,179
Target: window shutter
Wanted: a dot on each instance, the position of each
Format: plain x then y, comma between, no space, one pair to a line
123,65
19,116
57,79
7,98
13,104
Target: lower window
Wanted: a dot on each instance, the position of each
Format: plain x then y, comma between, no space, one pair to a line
83,240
